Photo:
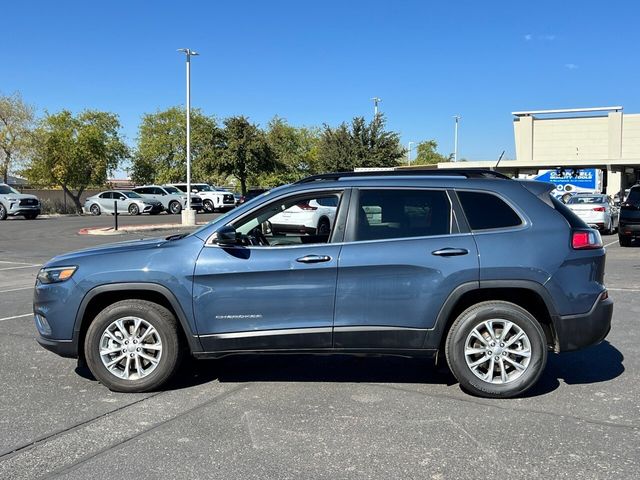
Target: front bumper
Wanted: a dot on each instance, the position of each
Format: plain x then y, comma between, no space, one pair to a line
23,210
574,332
64,348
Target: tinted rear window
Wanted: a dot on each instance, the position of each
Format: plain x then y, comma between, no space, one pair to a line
485,211
634,197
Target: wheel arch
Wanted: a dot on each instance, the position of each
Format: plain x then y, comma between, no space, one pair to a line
529,295
100,297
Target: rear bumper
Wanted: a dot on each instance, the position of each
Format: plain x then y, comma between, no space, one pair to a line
629,229
574,332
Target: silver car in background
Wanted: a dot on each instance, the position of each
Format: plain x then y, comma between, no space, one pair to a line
126,201
172,199
14,203
597,210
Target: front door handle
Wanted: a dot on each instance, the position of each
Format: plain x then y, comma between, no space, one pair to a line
314,259
450,252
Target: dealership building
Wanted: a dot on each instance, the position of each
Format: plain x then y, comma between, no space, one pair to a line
568,140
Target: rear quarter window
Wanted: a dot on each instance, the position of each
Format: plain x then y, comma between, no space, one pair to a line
485,211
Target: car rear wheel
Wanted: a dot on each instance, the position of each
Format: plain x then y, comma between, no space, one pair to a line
134,209
208,206
175,208
496,349
3,212
624,241
608,230
94,209
133,346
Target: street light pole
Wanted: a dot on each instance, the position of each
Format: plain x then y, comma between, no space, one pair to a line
376,101
455,139
188,216
409,152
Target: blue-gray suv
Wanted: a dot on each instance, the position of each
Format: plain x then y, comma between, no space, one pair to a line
468,265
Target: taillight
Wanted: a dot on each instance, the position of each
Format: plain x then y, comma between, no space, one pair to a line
305,206
599,209
586,239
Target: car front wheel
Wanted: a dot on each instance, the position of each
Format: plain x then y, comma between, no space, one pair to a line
208,206
3,212
134,209
133,346
175,208
496,349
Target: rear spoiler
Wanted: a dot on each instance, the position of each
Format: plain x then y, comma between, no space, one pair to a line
541,190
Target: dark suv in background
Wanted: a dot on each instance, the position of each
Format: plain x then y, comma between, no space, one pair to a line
629,225
489,271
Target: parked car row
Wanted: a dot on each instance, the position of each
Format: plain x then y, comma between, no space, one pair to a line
154,199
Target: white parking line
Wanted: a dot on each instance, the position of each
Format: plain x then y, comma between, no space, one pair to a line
17,289
624,289
611,243
17,268
16,316
15,263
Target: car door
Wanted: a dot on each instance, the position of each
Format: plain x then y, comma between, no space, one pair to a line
258,297
404,254
105,200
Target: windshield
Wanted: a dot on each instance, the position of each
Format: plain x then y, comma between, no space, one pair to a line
131,194
202,187
582,200
172,190
6,189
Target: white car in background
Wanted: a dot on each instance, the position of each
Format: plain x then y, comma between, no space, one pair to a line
213,199
315,216
172,199
14,203
597,210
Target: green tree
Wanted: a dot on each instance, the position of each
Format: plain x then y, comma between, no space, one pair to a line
295,149
74,152
428,154
246,152
358,145
161,151
16,121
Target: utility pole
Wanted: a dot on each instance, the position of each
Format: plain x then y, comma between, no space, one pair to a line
409,152
188,215
376,101
455,139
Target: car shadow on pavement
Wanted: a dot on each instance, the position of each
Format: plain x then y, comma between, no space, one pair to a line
312,368
595,364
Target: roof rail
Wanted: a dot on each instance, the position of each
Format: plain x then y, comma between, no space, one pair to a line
441,172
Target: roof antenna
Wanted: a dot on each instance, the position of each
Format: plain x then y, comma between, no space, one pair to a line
499,158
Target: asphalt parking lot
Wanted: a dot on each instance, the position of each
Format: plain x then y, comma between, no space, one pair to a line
307,417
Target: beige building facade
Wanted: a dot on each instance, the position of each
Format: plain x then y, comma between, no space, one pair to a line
602,137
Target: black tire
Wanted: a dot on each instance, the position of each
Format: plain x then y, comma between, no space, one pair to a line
167,328
498,311
95,210
30,216
208,206
624,241
175,208
324,227
608,230
134,209
3,212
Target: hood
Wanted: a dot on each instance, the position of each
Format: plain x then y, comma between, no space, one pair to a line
130,245
19,196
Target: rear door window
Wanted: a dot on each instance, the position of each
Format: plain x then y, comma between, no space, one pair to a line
633,199
391,213
485,211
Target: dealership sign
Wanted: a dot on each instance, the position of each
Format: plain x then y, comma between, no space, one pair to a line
583,180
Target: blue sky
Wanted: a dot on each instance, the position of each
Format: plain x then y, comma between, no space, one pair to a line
321,62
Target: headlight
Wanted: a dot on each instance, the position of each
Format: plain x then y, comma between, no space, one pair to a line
56,274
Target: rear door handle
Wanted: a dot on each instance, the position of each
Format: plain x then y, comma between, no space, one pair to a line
314,259
450,252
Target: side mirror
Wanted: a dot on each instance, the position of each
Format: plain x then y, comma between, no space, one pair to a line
122,198
194,190
226,237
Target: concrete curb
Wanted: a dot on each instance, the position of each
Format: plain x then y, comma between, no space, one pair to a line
134,228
